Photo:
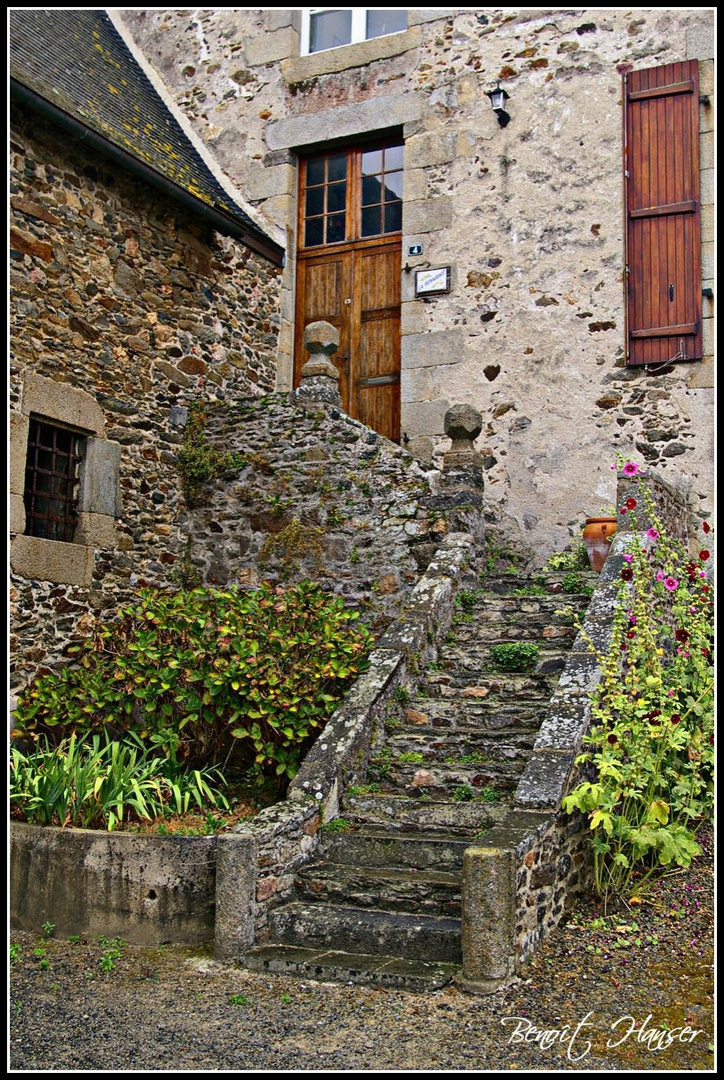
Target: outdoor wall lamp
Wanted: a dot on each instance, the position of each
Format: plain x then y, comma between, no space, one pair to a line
498,98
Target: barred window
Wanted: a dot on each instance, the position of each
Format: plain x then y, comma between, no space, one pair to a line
51,480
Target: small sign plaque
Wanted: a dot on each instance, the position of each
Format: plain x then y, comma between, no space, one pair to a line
414,249
432,282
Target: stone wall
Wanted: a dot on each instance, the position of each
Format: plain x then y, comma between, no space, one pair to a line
124,310
529,218
317,495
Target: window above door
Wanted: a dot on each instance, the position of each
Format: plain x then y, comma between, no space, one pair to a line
329,28
351,194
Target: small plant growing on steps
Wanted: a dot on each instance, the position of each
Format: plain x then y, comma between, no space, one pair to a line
514,656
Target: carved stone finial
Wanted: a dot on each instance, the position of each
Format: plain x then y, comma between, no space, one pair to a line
320,377
462,465
463,424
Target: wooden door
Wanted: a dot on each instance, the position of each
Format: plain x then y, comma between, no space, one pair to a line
348,273
663,234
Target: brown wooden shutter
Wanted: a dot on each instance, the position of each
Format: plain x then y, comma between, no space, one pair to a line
663,214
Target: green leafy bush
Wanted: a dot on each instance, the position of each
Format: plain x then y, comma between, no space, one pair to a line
514,656
574,558
208,673
652,739
93,783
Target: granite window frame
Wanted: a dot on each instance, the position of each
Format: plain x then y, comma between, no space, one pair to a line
98,500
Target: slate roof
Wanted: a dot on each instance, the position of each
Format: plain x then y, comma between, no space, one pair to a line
75,65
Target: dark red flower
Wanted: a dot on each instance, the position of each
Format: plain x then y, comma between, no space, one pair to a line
631,634
627,573
676,718
613,739
622,510
631,503
704,555
682,635
706,527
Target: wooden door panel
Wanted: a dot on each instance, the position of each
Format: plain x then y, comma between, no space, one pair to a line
358,291
324,283
377,374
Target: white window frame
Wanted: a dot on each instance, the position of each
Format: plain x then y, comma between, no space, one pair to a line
358,31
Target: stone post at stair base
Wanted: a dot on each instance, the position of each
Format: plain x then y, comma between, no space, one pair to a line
320,377
460,488
488,918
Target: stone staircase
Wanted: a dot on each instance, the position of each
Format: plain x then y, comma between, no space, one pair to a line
380,903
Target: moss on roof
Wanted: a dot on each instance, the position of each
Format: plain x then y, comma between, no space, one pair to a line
78,62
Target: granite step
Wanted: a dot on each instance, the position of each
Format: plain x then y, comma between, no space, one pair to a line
372,931
421,812
425,892
433,744
332,965
492,781
471,710
373,845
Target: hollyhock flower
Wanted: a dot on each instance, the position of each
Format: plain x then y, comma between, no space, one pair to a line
706,527
652,534
682,635
631,504
671,583
627,573
704,555
676,718
630,468
660,576
613,739
628,558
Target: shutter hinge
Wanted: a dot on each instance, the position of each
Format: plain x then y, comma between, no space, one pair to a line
625,172
626,270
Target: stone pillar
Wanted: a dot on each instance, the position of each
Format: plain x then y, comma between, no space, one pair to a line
320,378
460,488
488,918
462,465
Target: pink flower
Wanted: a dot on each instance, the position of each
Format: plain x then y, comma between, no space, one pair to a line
671,583
628,558
630,468
652,534
660,576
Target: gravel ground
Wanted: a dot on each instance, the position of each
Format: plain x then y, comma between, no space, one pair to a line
629,991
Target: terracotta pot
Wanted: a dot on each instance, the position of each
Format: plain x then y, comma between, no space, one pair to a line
597,535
